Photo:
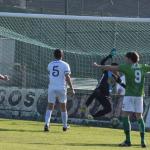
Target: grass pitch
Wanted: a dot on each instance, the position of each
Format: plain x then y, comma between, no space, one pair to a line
29,135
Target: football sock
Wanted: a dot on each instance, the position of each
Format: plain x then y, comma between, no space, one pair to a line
141,128
48,117
127,128
64,117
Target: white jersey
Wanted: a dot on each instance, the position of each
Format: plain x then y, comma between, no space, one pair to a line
57,70
119,88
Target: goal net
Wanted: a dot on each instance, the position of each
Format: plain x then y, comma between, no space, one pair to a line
27,42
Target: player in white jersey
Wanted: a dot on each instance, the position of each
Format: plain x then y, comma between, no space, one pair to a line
59,76
120,92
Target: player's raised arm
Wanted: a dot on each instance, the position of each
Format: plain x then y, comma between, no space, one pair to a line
106,67
110,56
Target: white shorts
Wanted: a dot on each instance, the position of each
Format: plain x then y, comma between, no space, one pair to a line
132,104
60,94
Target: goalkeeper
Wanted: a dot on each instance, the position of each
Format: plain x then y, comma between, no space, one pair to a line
104,87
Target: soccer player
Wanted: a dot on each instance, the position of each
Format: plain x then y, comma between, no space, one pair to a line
120,92
103,89
59,76
133,100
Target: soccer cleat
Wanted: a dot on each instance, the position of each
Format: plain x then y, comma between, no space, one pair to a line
143,144
66,128
46,128
125,144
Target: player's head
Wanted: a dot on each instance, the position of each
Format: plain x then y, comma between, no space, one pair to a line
58,54
115,64
132,57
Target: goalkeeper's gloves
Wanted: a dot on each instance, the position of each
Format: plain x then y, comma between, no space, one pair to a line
113,52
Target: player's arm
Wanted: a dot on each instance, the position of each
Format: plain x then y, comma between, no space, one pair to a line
105,59
106,67
146,68
67,72
4,77
110,56
68,79
118,80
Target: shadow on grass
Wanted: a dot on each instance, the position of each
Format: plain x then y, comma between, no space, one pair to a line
98,144
77,144
38,131
43,144
92,144
19,130
84,144
81,144
24,130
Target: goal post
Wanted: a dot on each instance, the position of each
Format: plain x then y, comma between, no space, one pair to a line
84,39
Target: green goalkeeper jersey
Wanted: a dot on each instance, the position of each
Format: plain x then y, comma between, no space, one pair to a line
134,74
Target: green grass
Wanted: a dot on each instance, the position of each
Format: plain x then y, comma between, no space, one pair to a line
29,135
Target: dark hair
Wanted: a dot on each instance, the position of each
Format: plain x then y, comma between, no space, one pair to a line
133,56
114,64
57,53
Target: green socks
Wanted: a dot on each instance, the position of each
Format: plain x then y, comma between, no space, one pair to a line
142,129
127,128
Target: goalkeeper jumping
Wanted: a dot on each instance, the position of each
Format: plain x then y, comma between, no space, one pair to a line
104,87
